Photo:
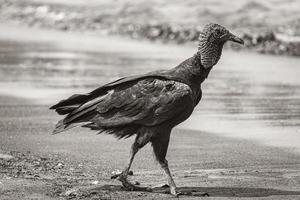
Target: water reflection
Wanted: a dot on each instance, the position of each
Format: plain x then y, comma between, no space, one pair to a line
56,68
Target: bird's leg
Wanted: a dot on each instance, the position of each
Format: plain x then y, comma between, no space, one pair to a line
160,147
124,173
133,151
136,146
165,167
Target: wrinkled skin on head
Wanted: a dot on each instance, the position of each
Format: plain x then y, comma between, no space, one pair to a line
217,34
211,41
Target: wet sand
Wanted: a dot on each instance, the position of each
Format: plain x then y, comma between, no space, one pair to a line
201,162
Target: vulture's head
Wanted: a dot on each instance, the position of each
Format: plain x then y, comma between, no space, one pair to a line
217,34
211,41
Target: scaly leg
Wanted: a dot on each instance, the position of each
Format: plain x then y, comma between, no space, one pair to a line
134,150
165,167
160,147
139,142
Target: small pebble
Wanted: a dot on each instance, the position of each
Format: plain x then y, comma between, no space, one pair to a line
130,173
70,192
116,172
137,183
59,165
95,182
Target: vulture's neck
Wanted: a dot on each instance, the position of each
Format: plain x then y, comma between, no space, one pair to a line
195,70
209,52
191,71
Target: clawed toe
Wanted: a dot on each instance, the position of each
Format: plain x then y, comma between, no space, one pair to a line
131,187
174,192
115,176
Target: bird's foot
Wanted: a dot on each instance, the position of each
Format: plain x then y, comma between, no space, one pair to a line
115,176
174,192
131,187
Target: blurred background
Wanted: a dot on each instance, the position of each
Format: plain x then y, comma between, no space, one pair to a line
246,127
271,26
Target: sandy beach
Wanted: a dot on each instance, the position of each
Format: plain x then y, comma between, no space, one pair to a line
240,143
225,168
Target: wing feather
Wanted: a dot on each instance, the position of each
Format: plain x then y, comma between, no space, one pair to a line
123,106
149,102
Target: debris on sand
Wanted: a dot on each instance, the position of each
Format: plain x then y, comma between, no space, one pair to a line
130,173
87,193
95,182
51,170
116,172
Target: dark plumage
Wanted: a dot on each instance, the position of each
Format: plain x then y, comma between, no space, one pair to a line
150,105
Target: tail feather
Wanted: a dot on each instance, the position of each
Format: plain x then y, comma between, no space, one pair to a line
66,109
91,125
67,106
84,112
75,99
60,126
80,109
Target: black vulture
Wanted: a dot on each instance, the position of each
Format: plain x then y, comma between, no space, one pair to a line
147,106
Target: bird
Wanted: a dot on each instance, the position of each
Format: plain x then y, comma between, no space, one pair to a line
147,106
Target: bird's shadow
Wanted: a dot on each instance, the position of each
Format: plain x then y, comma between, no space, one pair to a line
209,191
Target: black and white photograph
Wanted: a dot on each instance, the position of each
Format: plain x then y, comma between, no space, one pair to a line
149,99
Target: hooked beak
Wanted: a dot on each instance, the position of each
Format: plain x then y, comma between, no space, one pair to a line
235,39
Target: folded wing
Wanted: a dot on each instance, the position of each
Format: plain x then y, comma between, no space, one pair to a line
148,102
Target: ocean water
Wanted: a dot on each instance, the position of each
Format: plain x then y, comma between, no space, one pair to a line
247,95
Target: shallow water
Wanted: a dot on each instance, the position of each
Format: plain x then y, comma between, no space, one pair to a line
246,95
